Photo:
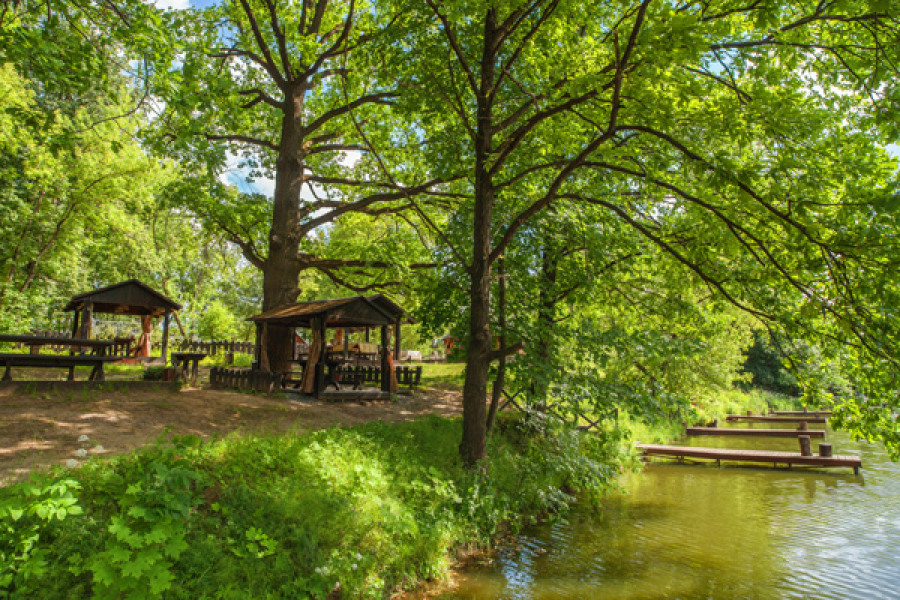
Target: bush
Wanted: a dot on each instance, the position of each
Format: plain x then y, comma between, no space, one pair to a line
366,511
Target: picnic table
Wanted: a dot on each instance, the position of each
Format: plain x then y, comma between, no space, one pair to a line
97,358
185,360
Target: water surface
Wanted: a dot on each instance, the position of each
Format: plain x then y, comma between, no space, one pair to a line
686,531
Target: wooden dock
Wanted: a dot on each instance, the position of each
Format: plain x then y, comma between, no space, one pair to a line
801,413
775,419
755,456
812,433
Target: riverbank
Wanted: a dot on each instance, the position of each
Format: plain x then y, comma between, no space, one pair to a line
359,512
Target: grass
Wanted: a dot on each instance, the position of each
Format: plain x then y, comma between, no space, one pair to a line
447,376
351,513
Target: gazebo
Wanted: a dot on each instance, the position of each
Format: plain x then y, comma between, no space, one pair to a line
130,297
356,312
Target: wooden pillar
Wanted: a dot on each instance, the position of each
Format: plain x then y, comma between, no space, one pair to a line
825,450
367,334
75,315
397,341
805,446
320,362
164,350
385,367
258,346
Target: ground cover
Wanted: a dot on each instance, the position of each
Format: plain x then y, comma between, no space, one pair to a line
355,512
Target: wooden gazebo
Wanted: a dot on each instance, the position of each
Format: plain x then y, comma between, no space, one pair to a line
130,297
356,312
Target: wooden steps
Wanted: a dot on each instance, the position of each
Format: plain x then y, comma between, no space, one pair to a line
775,419
754,456
813,433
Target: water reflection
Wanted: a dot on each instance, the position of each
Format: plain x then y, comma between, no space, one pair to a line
686,531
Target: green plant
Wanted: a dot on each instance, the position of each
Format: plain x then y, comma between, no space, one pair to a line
27,518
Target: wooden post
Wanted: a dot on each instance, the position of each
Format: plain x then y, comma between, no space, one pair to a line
397,341
164,350
367,334
256,350
385,368
825,450
805,446
320,361
76,314
803,426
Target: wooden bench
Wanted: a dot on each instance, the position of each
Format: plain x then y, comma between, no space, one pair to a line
57,362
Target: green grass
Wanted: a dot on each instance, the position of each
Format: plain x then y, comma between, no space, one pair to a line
368,510
444,375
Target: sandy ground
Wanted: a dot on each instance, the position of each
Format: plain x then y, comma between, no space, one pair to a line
43,428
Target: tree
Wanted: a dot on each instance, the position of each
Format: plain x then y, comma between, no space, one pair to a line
290,90
741,139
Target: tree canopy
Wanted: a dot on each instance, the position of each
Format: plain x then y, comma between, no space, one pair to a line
657,179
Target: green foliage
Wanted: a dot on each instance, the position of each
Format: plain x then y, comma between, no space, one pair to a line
28,521
217,322
370,510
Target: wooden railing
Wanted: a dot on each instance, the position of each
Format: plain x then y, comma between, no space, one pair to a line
246,379
216,347
574,415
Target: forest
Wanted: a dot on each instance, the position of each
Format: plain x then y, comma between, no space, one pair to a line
608,205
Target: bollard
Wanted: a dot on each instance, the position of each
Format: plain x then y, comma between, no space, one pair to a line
803,426
805,446
825,450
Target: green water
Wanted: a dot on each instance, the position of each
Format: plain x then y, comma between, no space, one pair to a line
684,531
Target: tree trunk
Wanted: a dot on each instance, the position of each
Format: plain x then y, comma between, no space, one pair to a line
282,267
473,446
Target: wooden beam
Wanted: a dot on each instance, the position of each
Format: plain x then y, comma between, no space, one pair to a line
397,341
165,340
385,367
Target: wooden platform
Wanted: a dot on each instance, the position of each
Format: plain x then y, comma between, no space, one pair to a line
801,413
812,433
755,456
775,419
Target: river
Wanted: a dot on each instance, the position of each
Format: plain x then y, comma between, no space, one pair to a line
689,531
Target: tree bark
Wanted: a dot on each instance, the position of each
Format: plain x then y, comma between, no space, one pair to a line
282,267
473,446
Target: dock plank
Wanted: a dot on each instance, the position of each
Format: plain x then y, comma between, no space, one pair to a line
756,456
800,413
775,419
812,433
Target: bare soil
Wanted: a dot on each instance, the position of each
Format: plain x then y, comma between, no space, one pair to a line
41,429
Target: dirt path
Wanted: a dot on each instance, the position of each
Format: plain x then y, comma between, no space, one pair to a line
43,428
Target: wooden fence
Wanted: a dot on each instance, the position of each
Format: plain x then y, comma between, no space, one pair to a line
216,347
574,415
246,379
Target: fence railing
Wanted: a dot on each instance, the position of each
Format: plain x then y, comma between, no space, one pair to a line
124,344
246,379
216,347
574,415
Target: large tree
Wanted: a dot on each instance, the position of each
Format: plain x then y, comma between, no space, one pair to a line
742,139
288,90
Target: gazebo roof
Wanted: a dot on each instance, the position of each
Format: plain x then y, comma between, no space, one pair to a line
127,298
355,311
